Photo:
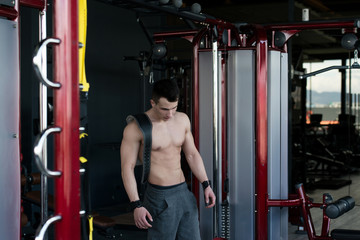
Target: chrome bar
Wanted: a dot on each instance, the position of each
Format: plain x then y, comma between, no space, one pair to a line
327,69
38,149
217,141
40,233
37,60
43,119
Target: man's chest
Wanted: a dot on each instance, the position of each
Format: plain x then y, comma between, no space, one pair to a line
165,136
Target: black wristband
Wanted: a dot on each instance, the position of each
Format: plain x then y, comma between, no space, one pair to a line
135,204
205,184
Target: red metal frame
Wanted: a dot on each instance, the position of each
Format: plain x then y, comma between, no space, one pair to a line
9,13
311,25
12,13
66,116
302,202
261,132
290,29
188,35
39,4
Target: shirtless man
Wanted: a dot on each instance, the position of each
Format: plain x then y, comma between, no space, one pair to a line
169,209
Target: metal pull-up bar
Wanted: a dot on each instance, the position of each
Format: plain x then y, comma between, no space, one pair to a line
354,66
350,42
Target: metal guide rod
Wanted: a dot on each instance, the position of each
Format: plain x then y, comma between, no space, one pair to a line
217,141
43,121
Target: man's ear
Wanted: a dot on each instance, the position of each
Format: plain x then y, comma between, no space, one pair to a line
152,102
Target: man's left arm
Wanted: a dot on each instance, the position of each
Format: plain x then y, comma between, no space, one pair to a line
196,164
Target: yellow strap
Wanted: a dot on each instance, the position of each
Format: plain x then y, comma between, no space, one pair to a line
82,39
82,135
82,159
91,228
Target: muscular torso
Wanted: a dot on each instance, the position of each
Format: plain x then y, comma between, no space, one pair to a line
167,139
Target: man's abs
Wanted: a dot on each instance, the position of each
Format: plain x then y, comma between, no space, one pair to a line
165,174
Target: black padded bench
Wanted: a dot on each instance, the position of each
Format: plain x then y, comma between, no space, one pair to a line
103,222
345,234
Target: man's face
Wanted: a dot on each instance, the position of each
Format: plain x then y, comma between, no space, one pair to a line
164,109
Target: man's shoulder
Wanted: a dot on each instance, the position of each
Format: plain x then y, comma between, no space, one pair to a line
132,129
182,116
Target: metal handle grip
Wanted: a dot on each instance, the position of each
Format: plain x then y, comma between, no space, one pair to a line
40,233
37,62
39,143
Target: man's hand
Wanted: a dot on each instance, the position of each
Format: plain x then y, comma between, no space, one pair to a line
140,215
209,197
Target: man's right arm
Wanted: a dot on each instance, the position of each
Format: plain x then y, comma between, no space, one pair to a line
129,151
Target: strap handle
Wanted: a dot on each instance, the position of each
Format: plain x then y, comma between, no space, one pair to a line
38,148
37,62
40,233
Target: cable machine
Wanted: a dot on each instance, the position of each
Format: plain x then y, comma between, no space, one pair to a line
246,150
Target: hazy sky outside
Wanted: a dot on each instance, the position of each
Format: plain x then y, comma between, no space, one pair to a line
331,81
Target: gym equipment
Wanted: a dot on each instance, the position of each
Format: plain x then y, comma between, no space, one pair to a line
9,124
263,124
279,39
171,10
348,41
240,85
327,69
302,204
177,3
40,148
144,60
66,110
341,206
257,169
82,40
158,51
196,8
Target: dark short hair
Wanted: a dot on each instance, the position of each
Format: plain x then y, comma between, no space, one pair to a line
165,88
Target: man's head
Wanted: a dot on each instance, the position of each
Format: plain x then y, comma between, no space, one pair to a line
167,89
165,99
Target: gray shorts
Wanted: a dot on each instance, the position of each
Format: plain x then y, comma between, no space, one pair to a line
174,212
